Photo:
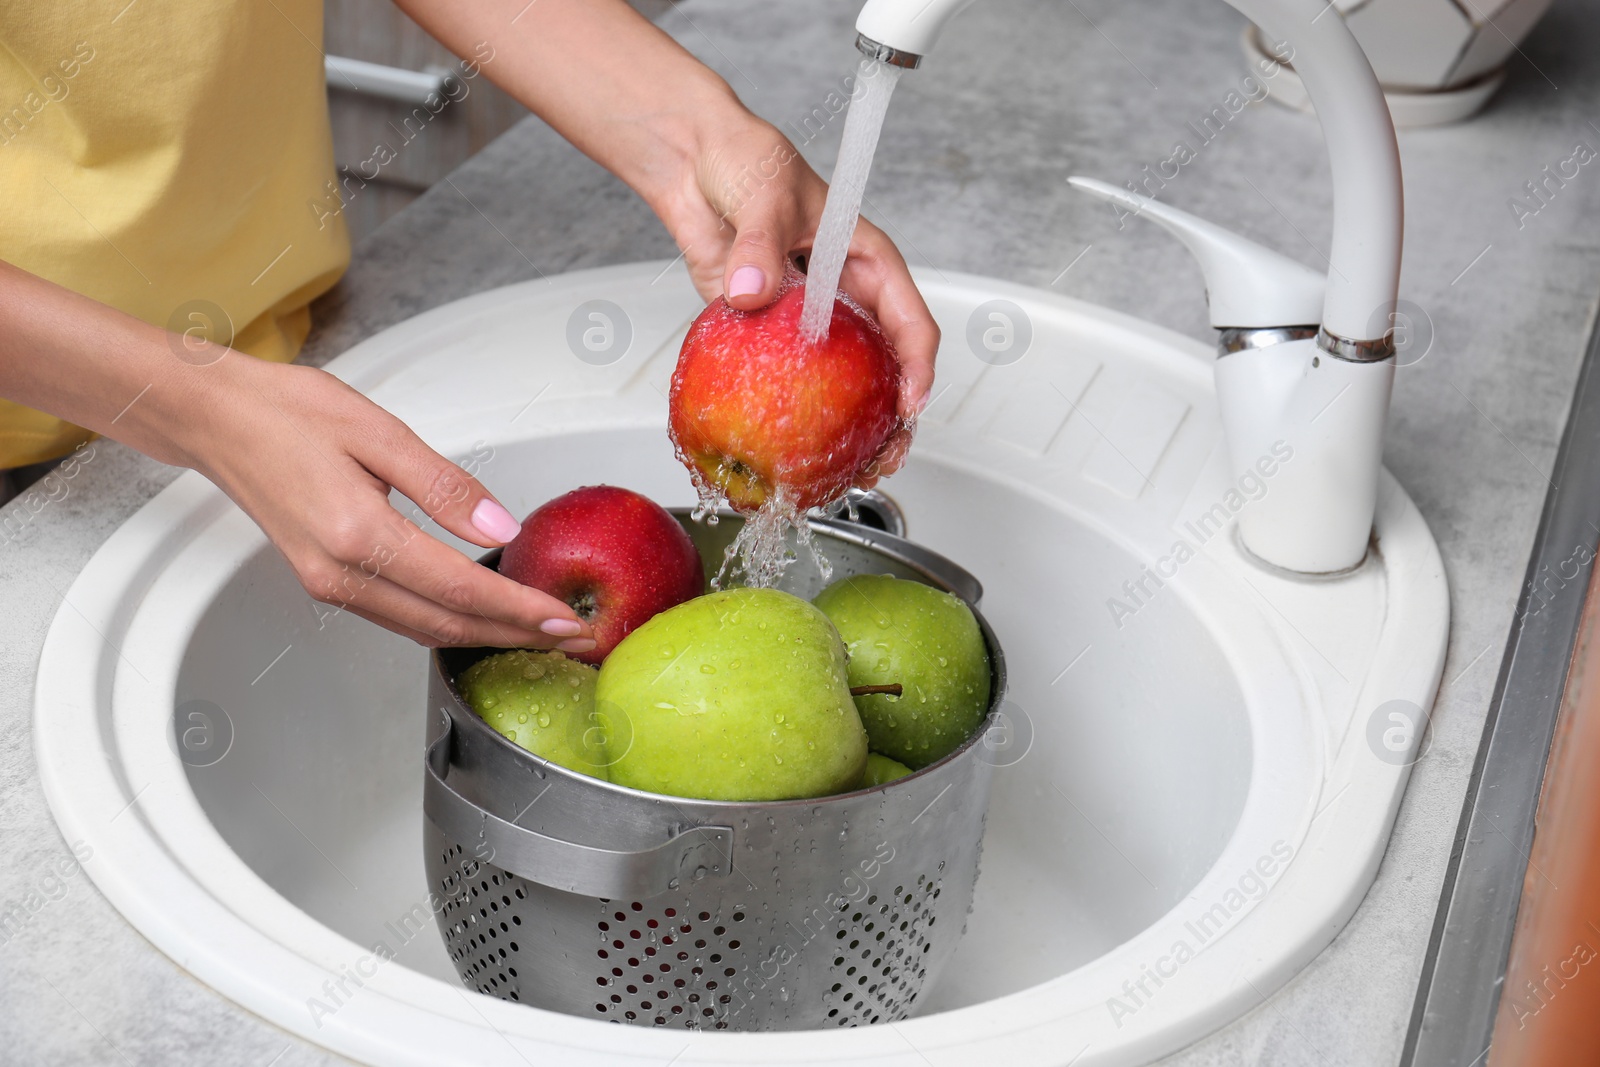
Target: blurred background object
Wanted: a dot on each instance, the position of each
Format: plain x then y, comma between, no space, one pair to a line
1549,1012
1439,60
390,143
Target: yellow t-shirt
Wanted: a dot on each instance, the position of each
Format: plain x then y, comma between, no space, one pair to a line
171,158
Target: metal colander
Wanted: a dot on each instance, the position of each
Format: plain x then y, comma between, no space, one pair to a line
569,893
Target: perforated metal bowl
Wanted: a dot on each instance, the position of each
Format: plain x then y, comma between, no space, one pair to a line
566,892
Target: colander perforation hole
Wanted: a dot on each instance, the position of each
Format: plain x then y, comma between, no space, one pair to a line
665,983
879,967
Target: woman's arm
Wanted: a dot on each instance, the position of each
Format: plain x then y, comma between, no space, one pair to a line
634,101
308,458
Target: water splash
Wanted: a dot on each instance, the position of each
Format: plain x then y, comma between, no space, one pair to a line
759,553
875,84
709,498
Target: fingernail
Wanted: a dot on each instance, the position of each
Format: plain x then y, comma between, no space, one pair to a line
561,627
746,281
576,644
494,521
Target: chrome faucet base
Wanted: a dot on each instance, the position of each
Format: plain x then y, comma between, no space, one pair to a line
1239,338
1356,351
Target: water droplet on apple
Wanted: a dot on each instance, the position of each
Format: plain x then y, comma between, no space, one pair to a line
522,717
544,720
488,703
706,668
667,652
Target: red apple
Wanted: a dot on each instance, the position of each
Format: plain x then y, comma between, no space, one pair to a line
615,557
755,409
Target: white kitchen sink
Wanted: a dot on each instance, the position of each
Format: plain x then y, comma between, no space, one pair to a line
1215,758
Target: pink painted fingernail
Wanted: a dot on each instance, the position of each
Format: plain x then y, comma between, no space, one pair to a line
561,627
494,521
746,281
576,644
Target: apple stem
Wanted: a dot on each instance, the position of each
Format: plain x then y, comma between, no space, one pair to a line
893,689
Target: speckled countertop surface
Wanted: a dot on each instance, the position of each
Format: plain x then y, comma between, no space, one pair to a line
971,177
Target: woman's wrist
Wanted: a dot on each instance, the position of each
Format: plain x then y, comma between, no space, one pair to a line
195,399
681,137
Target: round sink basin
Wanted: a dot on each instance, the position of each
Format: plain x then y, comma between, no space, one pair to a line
1191,806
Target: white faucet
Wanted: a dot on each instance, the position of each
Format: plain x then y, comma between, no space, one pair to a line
1305,361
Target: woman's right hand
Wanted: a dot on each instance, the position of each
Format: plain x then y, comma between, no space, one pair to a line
307,457
312,461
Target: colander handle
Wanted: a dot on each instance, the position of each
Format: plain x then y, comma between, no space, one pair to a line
696,853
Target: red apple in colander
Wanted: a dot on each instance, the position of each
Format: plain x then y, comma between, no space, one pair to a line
757,410
615,557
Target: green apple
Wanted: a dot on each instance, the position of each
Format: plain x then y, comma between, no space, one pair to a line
881,770
735,695
923,639
543,701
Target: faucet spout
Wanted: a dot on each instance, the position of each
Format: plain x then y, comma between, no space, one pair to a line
1323,400
1364,260
903,31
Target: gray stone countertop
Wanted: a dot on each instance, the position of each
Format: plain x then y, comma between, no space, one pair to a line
971,177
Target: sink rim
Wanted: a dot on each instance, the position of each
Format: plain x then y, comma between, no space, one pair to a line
103,593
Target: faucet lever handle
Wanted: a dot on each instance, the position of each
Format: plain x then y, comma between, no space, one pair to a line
1246,285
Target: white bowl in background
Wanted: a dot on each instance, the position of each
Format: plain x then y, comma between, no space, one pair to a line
1439,60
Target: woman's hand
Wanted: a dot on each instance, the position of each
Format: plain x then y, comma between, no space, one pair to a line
747,202
312,461
735,194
